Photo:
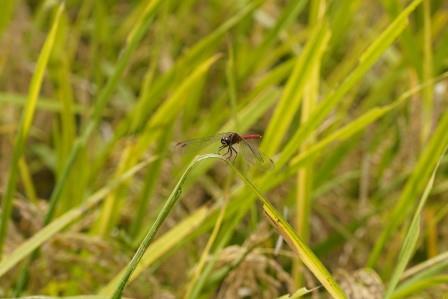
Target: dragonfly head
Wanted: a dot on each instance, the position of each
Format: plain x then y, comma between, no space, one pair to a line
225,140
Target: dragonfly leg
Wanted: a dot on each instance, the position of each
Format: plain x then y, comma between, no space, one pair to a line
221,148
235,151
229,152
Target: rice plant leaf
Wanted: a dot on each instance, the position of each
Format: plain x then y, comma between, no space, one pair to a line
25,125
422,171
194,54
185,228
291,10
410,240
426,268
419,286
162,118
369,57
132,42
292,94
306,255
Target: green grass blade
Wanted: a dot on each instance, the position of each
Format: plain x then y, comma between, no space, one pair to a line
305,175
366,61
421,285
291,11
25,125
162,118
411,238
422,170
195,54
292,94
344,133
132,42
161,246
309,259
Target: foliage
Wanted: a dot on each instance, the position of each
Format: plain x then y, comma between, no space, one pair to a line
350,97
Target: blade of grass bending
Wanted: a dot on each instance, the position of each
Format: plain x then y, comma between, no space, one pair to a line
268,182
410,240
369,57
310,260
163,117
170,202
294,241
63,221
248,115
162,245
25,125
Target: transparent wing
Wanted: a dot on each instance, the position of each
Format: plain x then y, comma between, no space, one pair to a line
249,151
201,142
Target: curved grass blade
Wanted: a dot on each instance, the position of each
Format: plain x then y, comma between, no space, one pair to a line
308,258
422,171
411,238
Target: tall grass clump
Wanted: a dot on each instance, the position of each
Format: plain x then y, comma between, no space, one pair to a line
98,201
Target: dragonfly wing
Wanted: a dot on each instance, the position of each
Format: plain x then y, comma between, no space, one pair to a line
251,153
201,142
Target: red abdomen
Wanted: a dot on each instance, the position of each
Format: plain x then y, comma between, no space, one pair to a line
251,136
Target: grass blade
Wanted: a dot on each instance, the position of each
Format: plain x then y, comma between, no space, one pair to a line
410,240
309,259
369,57
292,94
422,170
25,125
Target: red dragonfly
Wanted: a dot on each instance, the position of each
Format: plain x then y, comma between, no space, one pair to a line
230,141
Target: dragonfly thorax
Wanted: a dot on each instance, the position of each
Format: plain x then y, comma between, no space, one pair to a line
230,139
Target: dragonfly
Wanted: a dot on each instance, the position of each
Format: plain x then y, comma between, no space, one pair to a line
229,143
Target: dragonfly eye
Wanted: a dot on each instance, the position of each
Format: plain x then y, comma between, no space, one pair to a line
223,141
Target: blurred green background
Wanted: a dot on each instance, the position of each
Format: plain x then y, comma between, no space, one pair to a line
350,97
